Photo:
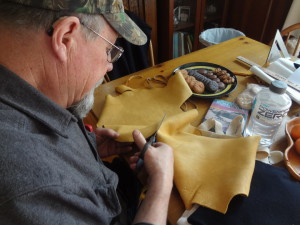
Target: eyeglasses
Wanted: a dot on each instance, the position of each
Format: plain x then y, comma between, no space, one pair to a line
114,53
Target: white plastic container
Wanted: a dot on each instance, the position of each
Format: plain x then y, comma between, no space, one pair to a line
217,35
269,109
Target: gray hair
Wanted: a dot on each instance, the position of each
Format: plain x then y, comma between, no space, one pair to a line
24,17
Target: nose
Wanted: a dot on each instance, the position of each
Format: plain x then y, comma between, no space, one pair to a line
110,67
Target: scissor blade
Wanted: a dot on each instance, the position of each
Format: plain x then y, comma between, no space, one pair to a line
140,162
159,125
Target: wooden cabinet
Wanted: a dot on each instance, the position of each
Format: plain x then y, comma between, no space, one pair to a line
258,19
215,13
166,26
203,14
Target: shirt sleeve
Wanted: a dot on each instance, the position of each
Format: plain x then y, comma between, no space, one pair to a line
56,205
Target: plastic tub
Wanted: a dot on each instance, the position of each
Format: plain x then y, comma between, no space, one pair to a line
217,35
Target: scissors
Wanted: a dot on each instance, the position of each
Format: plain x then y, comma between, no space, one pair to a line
152,139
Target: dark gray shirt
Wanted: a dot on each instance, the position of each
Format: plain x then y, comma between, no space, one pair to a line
50,172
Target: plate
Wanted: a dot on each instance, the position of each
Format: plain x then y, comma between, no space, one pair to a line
210,66
291,156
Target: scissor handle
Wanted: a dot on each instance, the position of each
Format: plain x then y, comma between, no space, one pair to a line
140,161
146,146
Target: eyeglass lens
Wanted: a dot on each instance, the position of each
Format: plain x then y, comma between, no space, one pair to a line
114,54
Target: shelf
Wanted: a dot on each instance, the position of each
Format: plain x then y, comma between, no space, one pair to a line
182,26
212,18
166,28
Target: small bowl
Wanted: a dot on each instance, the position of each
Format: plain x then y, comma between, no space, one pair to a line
291,156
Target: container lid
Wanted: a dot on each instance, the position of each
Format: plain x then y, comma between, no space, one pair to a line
278,86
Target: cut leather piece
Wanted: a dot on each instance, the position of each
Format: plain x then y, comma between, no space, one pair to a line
122,88
236,126
211,123
144,107
214,128
126,131
275,157
208,171
262,152
273,200
265,155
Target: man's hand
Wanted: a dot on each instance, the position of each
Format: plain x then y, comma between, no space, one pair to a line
158,163
107,144
158,159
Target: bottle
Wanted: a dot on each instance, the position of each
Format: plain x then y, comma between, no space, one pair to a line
269,108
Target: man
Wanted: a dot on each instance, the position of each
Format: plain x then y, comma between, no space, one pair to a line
52,56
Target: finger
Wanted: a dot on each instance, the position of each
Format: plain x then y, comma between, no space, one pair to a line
139,139
107,132
133,159
133,166
157,144
133,162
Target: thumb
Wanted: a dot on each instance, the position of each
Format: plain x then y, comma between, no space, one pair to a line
139,139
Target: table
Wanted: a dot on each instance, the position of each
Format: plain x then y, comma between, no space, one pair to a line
223,54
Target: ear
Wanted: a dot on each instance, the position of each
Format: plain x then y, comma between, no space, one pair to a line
65,34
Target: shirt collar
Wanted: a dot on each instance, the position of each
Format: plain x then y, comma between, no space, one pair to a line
19,94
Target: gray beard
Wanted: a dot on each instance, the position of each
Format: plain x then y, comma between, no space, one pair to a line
82,108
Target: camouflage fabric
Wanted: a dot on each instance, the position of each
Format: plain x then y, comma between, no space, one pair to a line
112,10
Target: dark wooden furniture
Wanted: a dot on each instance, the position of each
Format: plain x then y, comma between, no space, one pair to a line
258,19
146,10
200,18
215,13
166,26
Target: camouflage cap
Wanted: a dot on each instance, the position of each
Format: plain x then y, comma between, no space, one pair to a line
112,10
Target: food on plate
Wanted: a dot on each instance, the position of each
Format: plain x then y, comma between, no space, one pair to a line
212,81
209,75
297,145
210,85
198,87
217,80
213,77
295,132
203,71
184,72
223,75
221,85
195,85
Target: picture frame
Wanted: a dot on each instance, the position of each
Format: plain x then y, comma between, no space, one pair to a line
184,13
176,15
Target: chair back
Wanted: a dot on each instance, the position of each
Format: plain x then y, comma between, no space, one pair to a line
292,42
